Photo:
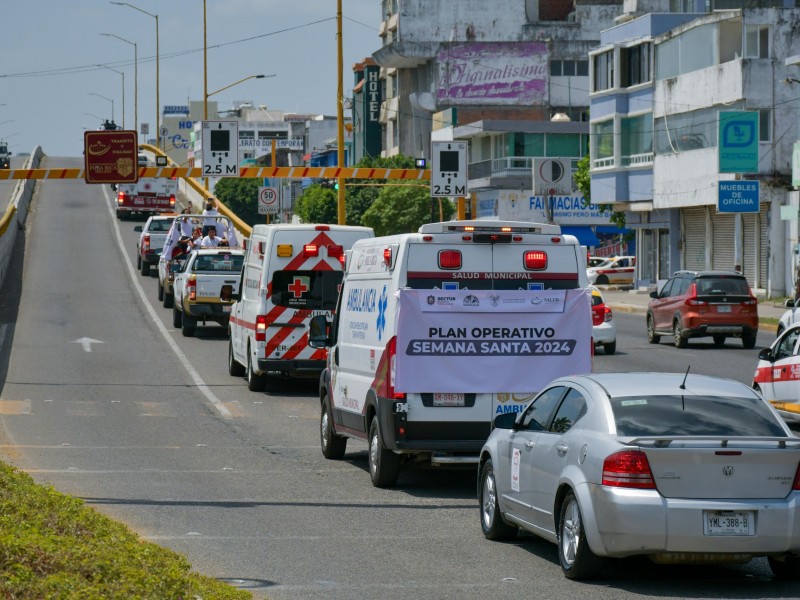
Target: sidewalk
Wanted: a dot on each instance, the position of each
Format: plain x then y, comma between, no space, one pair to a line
636,301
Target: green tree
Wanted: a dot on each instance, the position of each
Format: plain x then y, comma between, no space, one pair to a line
402,209
361,193
317,205
241,196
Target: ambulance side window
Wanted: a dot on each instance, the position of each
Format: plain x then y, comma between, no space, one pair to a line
334,333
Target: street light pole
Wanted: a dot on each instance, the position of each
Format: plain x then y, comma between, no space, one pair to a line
158,105
105,98
340,114
123,91
135,79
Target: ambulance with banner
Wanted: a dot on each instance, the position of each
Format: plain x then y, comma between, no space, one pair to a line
438,332
291,272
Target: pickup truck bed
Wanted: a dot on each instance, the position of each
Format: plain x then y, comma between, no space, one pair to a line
204,288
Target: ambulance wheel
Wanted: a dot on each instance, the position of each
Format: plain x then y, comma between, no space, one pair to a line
255,382
234,368
145,268
169,300
333,446
384,465
177,317
160,292
188,325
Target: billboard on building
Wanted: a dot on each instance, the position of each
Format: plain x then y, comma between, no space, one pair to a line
493,73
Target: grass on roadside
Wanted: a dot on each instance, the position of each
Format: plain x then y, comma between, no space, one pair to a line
54,546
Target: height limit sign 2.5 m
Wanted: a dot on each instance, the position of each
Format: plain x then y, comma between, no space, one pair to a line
448,169
220,148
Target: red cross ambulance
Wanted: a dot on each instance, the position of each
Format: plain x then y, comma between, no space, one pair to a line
291,272
415,388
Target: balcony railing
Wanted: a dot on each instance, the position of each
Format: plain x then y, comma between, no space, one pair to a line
599,163
507,166
635,160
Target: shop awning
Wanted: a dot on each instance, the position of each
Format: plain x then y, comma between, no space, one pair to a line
585,235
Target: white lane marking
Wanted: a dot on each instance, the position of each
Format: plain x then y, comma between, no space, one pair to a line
87,342
198,381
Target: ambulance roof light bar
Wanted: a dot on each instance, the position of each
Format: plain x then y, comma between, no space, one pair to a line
487,226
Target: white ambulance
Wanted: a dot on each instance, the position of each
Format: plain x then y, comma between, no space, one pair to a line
291,272
480,266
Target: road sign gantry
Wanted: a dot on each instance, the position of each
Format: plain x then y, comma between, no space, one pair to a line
244,172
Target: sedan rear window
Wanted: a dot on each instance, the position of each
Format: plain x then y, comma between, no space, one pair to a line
694,415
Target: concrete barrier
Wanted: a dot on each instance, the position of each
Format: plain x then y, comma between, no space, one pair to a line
17,212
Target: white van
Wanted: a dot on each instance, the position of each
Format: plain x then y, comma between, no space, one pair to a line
483,266
291,272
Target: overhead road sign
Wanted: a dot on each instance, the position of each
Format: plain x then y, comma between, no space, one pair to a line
244,172
220,148
110,156
448,169
738,196
738,142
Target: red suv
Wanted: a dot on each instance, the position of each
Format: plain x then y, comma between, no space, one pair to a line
701,304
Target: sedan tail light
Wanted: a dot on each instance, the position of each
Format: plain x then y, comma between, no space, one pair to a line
629,469
609,315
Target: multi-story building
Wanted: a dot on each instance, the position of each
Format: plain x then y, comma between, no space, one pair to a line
661,88
511,77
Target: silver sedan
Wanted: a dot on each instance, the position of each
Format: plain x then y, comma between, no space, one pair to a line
680,468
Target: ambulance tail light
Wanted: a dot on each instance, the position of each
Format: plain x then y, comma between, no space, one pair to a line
449,259
535,260
172,201
387,256
122,198
191,287
322,228
261,328
391,351
310,250
336,251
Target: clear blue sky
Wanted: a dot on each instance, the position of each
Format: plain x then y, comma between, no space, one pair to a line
49,50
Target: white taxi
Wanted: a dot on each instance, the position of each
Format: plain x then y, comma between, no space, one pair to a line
777,375
604,330
619,269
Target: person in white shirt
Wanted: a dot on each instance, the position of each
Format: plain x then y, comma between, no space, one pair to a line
210,215
211,240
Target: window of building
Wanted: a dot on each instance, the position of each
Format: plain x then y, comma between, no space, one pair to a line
247,134
635,65
395,134
555,68
527,144
688,131
563,144
603,71
636,139
582,68
603,143
756,41
692,50
569,68
765,125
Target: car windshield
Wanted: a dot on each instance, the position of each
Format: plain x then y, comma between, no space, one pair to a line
219,262
694,415
606,263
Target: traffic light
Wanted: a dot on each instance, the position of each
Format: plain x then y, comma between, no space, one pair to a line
329,184
110,125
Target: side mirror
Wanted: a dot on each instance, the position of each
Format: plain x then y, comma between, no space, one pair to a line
318,329
766,354
654,294
138,229
113,187
505,420
789,303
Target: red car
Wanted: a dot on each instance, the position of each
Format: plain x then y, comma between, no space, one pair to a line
695,304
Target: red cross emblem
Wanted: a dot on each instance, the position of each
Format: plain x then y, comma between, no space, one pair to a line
299,286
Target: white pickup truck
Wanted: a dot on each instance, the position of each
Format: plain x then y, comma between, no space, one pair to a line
205,286
151,240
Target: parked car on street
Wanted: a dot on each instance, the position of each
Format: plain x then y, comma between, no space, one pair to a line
604,330
593,261
675,467
777,375
694,304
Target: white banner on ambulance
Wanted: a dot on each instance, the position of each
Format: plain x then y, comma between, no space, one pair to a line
490,340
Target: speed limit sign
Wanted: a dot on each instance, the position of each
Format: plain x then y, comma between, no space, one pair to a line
267,200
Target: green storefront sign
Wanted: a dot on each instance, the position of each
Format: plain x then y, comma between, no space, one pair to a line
738,142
